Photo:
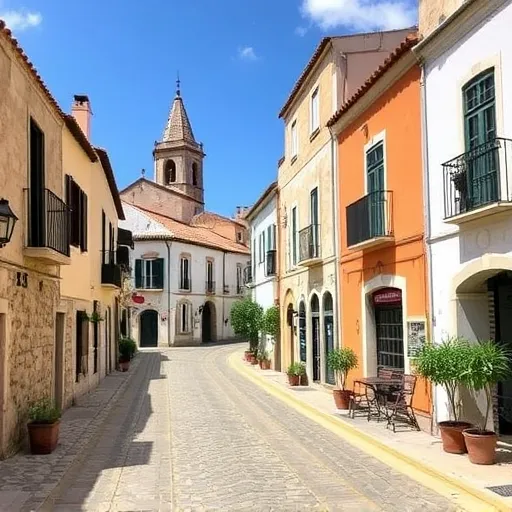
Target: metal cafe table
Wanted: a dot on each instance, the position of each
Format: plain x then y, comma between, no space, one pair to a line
375,388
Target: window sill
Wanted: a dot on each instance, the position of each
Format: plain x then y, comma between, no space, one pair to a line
293,160
149,289
183,290
314,134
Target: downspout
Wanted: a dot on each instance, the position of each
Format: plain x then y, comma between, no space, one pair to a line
277,291
223,288
168,245
427,220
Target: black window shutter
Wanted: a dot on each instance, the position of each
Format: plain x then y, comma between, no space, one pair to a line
83,221
158,270
68,190
102,236
138,273
75,213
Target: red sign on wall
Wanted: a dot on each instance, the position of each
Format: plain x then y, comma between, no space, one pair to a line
387,296
138,299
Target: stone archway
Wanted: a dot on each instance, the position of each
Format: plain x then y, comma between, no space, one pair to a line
208,323
148,331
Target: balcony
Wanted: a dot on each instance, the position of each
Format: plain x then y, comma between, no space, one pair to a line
225,289
309,246
476,183
248,276
47,224
111,275
369,220
210,287
271,263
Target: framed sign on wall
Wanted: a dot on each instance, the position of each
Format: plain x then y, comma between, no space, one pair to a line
416,335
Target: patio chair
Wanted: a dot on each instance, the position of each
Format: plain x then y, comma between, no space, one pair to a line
358,400
399,405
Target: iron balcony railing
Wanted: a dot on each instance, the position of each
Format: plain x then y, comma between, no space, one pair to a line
248,275
477,178
210,286
111,274
270,267
48,221
370,217
309,242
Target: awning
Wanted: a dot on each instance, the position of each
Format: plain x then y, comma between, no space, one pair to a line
124,237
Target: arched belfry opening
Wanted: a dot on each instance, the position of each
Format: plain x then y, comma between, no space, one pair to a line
169,172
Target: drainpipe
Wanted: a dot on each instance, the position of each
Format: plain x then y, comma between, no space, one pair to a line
426,213
223,287
168,245
335,233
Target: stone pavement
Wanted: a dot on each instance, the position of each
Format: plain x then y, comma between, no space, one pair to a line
189,433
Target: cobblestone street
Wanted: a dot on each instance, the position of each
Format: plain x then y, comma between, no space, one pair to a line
189,433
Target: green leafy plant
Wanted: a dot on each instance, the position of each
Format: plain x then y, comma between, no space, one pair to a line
446,365
95,317
341,361
127,348
297,368
44,411
246,320
271,321
262,355
489,363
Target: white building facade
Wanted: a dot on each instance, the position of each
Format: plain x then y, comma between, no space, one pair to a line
261,275
468,183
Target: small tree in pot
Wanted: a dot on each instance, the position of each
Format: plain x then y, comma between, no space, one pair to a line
270,326
246,320
127,349
43,426
341,361
295,373
489,364
445,365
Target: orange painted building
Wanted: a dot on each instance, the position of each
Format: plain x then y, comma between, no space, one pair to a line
383,277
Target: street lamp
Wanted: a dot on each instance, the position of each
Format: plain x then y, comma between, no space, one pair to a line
7,222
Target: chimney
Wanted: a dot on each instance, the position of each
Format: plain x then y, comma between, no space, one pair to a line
82,113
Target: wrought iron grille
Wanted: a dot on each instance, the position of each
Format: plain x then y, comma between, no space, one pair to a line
309,242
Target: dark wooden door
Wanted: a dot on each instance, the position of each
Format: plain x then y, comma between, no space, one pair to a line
316,347
149,329
207,324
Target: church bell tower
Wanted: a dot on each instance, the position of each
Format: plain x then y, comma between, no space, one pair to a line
178,157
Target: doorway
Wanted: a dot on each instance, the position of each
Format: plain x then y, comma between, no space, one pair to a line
389,328
329,335
58,365
315,327
148,328
208,318
290,329
302,332
502,287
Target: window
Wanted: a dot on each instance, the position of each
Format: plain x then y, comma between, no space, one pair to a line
184,312
315,112
294,236
103,237
294,139
82,343
210,285
375,189
37,185
271,237
194,174
149,274
76,200
314,221
169,172
238,278
185,273
240,237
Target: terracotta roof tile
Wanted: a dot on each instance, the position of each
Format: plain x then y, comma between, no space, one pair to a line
197,235
396,55
207,218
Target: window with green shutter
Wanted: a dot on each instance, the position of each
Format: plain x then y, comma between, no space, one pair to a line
375,188
479,98
149,274
138,273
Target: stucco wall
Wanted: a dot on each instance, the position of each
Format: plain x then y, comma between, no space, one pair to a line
433,12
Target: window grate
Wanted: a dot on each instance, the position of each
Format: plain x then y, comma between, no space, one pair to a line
502,490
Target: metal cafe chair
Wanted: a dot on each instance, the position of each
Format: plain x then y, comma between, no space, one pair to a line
399,404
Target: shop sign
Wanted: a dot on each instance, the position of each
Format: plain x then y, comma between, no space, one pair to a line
138,299
387,296
415,337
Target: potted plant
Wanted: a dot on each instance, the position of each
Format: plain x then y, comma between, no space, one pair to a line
295,373
254,357
341,361
263,360
127,349
445,365
489,364
43,427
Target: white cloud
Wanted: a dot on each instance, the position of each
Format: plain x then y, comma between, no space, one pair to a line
21,19
301,31
247,53
362,15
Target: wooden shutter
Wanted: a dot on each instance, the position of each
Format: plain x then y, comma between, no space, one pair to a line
85,344
274,242
83,221
138,273
67,186
103,220
75,213
158,272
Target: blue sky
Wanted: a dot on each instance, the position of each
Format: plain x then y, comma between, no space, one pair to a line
237,59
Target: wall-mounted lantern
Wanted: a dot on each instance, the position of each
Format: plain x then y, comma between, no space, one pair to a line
7,222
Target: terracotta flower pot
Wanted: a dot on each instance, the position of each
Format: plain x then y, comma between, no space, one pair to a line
481,445
265,364
304,380
294,380
43,437
254,360
247,355
341,398
124,365
451,435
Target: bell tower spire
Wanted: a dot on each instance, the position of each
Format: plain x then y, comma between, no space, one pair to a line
178,156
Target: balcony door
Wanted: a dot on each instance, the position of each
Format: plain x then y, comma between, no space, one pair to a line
313,248
37,215
375,189
482,162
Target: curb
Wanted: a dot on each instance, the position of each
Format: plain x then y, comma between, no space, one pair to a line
466,496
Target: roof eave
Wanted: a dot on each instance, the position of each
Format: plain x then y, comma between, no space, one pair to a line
111,180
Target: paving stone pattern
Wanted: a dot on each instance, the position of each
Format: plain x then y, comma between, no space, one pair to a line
187,433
